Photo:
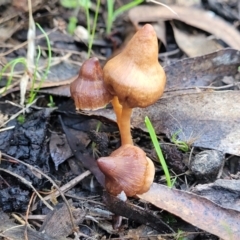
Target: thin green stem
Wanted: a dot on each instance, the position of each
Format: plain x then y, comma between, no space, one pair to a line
33,95
183,146
111,16
49,54
34,75
110,6
158,150
125,8
12,63
88,17
99,124
94,28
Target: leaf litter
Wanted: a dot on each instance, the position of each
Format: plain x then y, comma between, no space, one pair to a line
208,119
200,116
195,210
192,108
194,44
195,17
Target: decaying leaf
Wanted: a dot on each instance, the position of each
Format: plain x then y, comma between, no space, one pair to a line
197,44
86,160
10,230
59,149
8,31
206,119
203,70
192,16
183,74
223,192
160,29
57,224
196,210
203,119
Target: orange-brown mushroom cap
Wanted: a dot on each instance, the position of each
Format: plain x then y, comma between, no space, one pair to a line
127,169
135,75
88,90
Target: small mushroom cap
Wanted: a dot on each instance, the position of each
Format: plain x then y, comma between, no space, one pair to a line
135,75
127,169
88,90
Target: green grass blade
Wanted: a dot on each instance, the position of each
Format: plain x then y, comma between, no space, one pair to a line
126,7
49,55
94,28
32,91
33,95
88,18
11,64
110,6
183,146
158,150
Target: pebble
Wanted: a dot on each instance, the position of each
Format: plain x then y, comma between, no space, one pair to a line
207,164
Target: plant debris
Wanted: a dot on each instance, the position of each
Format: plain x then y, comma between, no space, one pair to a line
50,184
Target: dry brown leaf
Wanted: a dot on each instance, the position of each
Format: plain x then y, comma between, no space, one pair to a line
63,90
57,222
203,70
224,192
59,149
188,3
12,231
194,17
8,30
195,44
160,30
204,119
11,12
186,73
196,210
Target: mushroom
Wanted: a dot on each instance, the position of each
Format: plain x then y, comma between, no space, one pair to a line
127,169
88,90
135,78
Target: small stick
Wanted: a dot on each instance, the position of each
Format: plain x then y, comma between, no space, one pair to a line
50,180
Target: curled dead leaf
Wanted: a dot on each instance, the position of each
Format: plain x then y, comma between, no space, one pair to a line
192,16
196,210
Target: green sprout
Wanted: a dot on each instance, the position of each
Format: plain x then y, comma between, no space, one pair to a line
112,14
12,64
33,91
181,235
75,3
92,35
158,150
72,24
21,119
85,4
181,145
94,149
51,102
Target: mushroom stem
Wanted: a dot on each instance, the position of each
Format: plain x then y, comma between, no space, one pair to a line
125,125
117,107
